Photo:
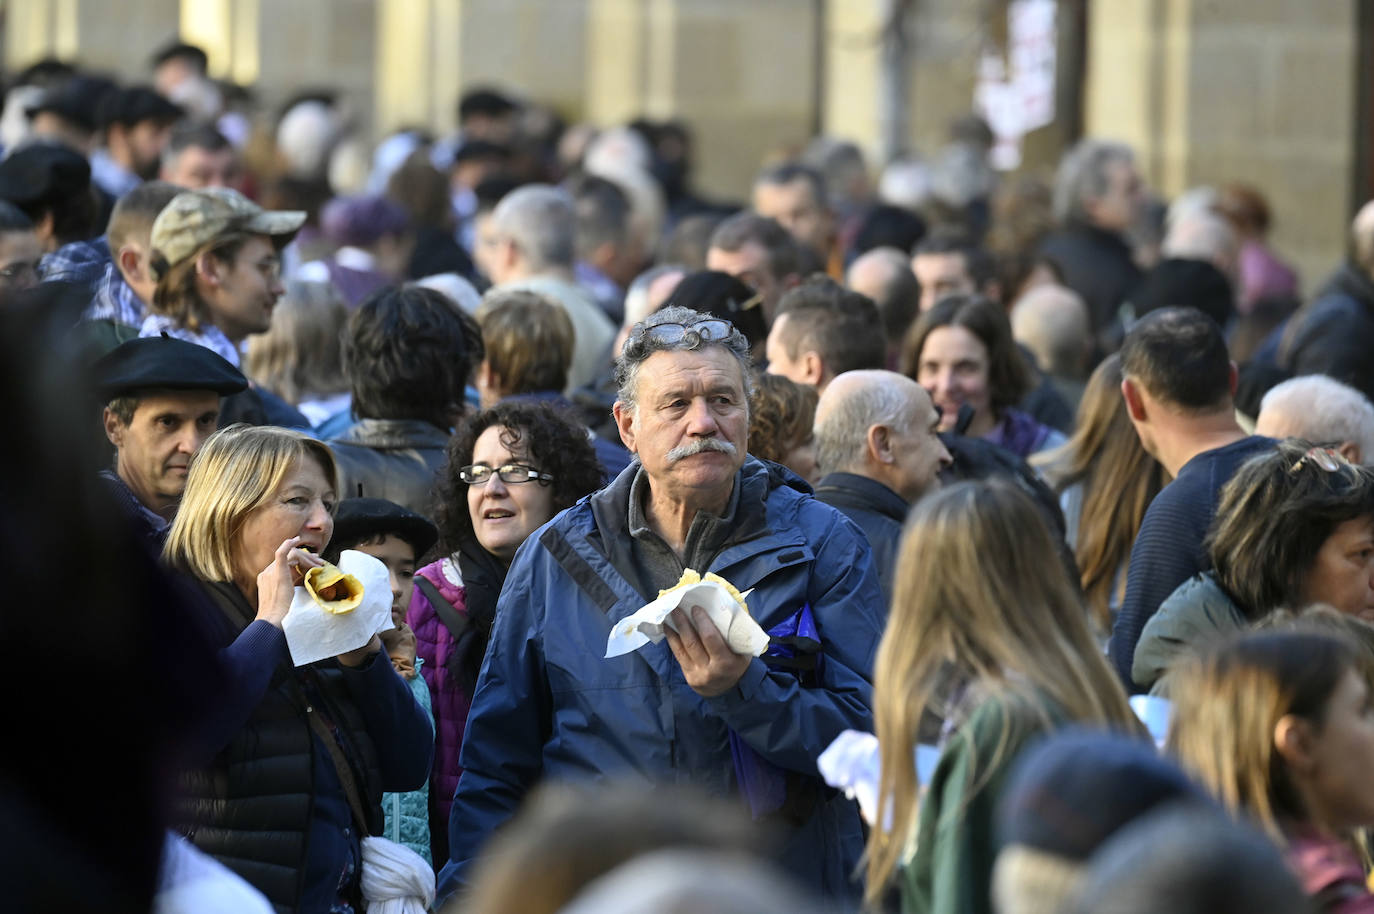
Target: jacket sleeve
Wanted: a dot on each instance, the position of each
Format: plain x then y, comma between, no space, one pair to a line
787,724
249,662
502,753
399,727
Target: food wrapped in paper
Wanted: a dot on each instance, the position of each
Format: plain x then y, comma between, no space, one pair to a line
334,619
336,591
724,605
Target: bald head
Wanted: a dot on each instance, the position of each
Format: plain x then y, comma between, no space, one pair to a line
1321,410
1201,234
881,425
884,275
1052,322
1362,235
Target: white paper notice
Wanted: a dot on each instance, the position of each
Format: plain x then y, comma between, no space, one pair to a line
646,626
312,633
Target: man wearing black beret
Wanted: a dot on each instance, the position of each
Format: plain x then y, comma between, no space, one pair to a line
161,399
51,183
137,124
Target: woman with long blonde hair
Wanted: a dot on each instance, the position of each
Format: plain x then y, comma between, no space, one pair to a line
986,623
1105,480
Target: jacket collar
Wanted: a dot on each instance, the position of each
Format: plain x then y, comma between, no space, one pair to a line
853,490
394,433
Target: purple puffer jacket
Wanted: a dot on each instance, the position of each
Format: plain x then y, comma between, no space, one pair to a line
450,701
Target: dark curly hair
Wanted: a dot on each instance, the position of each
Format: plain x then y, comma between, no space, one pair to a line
539,434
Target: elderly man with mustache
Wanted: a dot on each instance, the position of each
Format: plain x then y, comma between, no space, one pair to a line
687,710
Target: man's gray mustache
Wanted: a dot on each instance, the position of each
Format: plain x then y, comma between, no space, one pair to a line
699,446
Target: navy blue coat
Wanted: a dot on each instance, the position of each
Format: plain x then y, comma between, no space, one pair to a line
547,705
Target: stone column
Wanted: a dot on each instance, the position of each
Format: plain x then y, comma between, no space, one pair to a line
1261,91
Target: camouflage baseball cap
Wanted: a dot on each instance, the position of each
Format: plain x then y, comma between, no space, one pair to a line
195,218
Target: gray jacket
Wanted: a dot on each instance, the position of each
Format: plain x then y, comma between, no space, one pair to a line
1197,613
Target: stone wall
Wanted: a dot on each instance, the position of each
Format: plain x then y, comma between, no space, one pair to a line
1206,90
1251,90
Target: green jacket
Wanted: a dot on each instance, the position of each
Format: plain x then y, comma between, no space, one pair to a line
951,869
1197,613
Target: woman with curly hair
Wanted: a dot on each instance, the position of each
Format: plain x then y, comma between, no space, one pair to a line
509,470
781,413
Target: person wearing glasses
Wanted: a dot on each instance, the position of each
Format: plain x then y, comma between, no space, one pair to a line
1295,527
509,470
549,705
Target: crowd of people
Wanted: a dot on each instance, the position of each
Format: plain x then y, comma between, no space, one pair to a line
1053,496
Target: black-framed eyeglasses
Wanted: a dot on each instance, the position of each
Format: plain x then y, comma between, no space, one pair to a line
712,330
511,474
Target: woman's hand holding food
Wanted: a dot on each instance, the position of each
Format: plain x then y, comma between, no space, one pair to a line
277,582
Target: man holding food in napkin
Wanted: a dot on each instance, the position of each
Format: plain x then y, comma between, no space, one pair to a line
555,700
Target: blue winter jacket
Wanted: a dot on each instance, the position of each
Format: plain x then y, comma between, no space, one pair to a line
547,705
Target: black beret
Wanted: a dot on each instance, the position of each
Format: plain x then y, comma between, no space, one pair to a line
42,171
1184,283
135,105
722,295
357,519
164,363
78,100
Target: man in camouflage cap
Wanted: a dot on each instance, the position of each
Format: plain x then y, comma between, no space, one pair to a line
217,258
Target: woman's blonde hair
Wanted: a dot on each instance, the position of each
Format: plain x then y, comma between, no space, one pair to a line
234,473
980,585
1227,702
1118,478
301,354
175,295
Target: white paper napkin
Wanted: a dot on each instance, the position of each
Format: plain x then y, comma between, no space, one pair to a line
313,633
646,626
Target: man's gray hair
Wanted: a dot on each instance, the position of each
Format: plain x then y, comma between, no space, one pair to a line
1083,177
542,222
842,429
1202,235
644,342
1321,410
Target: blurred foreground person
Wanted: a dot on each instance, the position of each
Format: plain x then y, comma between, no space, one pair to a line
1278,726
1188,860
572,836
84,851
1015,662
